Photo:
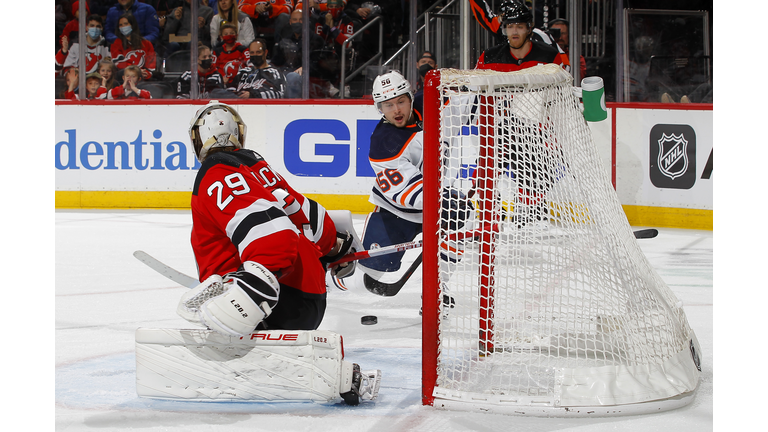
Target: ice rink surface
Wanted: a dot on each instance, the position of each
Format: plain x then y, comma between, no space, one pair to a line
103,294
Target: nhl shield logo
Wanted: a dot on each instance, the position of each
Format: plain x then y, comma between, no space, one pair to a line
673,155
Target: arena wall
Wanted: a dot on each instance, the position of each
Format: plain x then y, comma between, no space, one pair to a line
137,155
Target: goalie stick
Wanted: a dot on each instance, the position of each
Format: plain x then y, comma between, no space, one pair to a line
172,274
372,285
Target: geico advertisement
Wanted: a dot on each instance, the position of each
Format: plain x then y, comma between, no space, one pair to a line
664,158
317,148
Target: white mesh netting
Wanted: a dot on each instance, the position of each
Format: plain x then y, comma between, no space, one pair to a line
551,283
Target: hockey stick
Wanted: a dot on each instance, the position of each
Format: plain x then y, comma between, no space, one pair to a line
390,289
646,233
174,275
400,247
376,252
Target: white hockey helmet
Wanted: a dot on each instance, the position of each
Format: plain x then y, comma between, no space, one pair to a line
388,86
216,125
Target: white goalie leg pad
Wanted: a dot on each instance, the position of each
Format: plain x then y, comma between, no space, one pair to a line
266,366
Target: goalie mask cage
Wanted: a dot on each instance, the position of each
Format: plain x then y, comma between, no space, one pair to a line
564,315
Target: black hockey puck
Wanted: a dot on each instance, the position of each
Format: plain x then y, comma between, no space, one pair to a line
369,320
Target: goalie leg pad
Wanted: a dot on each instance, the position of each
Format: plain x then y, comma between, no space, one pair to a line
265,366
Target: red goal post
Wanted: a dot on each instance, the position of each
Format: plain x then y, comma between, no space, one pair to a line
557,310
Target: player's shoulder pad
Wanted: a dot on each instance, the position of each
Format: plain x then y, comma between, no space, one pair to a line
387,140
541,49
492,54
234,159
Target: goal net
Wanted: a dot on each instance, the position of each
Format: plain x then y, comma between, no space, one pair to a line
556,310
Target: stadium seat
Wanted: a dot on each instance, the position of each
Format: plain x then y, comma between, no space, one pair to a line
158,89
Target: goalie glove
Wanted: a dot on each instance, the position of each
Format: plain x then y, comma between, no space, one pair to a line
235,304
343,247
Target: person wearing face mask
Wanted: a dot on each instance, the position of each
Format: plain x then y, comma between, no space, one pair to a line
230,56
208,78
146,17
259,80
132,49
424,64
95,49
229,12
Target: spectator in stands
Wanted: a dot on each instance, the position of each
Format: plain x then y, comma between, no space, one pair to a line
146,17
94,88
230,56
73,78
639,66
560,34
366,11
209,80
129,90
424,64
288,53
179,23
259,80
273,13
95,48
72,28
230,13
130,48
335,27
108,72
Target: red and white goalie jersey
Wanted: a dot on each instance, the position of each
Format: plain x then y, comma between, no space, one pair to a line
242,210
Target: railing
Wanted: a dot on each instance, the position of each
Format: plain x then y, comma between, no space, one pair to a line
424,35
379,55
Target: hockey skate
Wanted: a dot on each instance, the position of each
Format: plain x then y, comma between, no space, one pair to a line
365,386
448,304
529,216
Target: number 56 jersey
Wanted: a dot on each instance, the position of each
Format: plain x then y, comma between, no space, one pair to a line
242,210
397,159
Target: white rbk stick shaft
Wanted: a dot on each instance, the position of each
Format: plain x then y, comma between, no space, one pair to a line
377,252
402,247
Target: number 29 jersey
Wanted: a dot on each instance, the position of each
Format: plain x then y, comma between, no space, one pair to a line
242,210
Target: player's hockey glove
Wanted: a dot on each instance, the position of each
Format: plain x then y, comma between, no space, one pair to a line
235,304
343,247
456,208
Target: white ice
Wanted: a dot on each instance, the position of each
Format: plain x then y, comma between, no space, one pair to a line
103,294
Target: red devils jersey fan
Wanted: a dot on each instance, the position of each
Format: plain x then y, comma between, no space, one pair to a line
519,51
261,247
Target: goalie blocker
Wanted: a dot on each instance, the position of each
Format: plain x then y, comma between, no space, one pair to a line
264,366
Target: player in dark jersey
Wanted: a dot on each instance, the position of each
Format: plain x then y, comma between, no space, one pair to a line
495,24
261,247
520,52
